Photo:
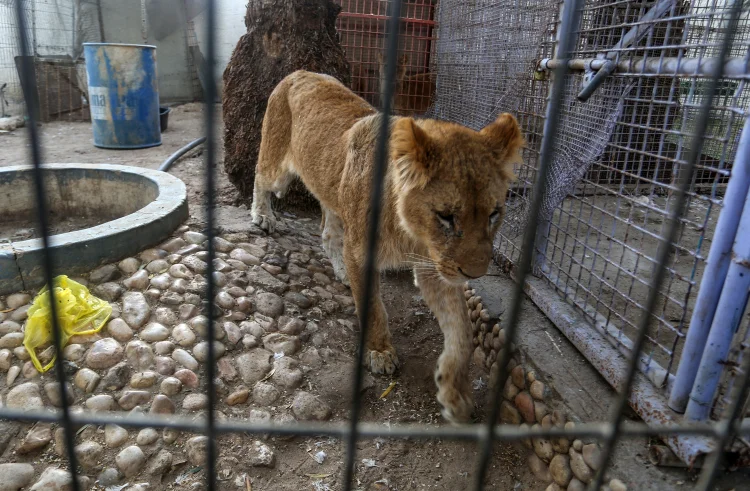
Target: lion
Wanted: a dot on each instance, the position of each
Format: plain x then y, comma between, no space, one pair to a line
443,201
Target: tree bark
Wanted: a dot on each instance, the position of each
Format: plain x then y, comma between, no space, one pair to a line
282,36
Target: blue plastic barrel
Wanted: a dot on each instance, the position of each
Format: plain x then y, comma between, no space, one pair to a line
123,95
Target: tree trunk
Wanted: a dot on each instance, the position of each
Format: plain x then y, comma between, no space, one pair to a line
282,36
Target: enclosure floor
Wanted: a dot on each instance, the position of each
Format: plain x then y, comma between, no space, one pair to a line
402,464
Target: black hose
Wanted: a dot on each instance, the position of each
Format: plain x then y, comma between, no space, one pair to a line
179,153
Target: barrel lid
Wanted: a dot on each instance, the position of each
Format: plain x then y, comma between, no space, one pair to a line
122,45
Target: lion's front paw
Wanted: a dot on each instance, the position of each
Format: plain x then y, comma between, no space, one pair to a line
455,397
265,222
380,362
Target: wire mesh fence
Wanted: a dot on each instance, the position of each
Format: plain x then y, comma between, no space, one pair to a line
479,45
613,177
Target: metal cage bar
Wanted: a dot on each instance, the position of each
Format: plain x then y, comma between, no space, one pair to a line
484,434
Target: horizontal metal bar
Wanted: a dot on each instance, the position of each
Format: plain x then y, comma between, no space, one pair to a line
667,66
406,20
371,430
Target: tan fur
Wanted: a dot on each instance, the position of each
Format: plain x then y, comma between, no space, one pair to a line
319,130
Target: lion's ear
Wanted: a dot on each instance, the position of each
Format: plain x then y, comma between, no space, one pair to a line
504,136
411,151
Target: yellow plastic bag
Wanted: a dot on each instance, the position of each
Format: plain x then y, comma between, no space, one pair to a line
78,311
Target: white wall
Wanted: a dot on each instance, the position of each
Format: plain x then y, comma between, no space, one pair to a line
230,22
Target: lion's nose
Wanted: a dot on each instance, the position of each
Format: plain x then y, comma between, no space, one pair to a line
477,263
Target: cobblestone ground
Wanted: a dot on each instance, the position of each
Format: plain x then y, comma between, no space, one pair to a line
285,337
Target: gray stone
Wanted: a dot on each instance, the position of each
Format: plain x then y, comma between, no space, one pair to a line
135,309
234,333
192,237
100,402
133,398
56,479
282,343
254,365
140,355
291,326
86,380
183,335
196,450
88,454
160,463
8,326
286,373
104,353
108,291
226,369
143,380
115,435
244,256
200,351
108,477
195,264
264,279
157,266
36,439
579,467
591,455
188,378
116,377
130,461
146,436
52,389
11,340
261,455
165,366
174,245
162,281
152,254
6,358
25,396
559,469
269,304
195,402
119,330
138,281
188,311
224,300
265,394
129,265
154,332
15,476
16,300
104,273
164,347
308,407
165,315
185,359
163,404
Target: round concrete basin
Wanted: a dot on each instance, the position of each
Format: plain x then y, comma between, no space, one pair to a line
98,214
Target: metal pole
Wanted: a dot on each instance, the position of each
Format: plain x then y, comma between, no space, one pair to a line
729,312
714,275
667,66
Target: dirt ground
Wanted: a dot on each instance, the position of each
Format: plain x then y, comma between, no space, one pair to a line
397,464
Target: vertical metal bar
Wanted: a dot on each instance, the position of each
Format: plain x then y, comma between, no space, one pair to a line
571,15
370,272
734,413
685,178
28,82
210,162
729,312
714,275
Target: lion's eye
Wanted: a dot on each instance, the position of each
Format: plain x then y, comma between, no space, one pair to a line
494,216
446,219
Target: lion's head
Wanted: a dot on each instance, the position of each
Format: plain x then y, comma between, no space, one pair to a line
452,187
